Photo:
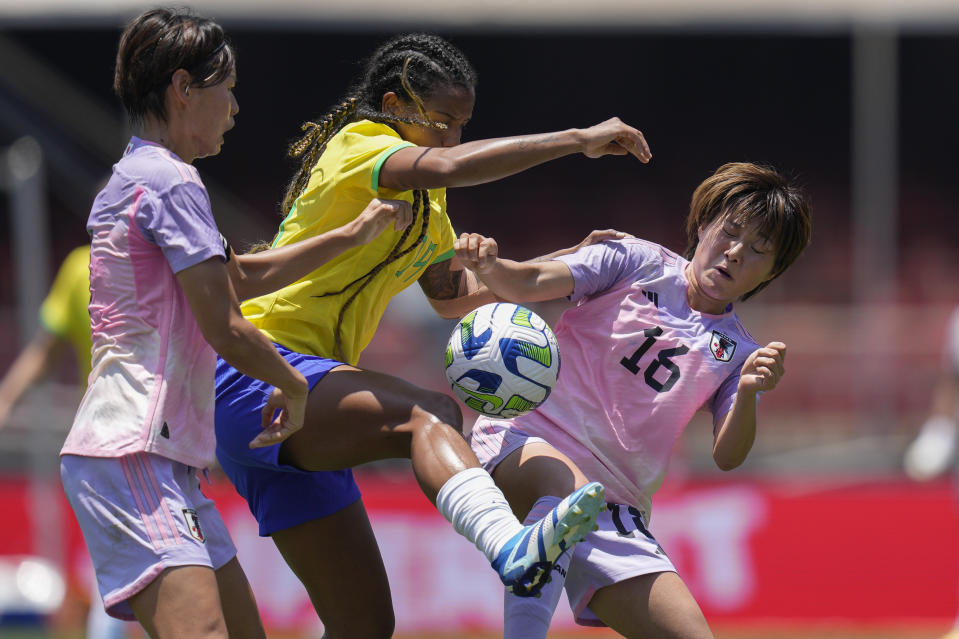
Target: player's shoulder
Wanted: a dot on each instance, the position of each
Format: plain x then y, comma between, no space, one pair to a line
157,167
358,144
366,132
733,326
650,250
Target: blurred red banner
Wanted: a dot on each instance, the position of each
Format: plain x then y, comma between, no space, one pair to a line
781,551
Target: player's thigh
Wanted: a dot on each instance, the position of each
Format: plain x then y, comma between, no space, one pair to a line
355,416
239,605
651,606
338,561
533,471
182,603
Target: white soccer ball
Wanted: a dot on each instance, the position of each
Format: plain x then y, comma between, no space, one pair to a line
502,360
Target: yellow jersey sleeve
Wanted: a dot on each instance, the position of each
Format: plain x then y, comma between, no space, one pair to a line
344,180
65,311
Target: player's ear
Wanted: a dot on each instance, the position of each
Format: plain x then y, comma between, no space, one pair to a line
391,104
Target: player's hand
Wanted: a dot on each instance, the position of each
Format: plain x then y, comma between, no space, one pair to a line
292,411
597,236
378,215
476,252
763,368
615,137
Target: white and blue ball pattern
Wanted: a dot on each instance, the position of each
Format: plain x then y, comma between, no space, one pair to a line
502,360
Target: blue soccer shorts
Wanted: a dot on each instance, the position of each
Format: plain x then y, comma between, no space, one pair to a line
280,496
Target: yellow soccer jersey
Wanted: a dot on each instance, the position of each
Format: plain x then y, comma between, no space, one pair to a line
344,180
65,311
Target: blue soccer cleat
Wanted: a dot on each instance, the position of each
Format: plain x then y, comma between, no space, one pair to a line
526,562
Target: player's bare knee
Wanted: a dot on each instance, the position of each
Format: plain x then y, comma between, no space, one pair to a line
436,409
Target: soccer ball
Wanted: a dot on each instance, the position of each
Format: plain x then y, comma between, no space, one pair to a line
502,360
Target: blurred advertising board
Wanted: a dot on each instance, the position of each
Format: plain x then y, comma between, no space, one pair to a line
783,551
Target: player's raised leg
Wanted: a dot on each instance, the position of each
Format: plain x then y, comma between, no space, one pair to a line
356,416
531,476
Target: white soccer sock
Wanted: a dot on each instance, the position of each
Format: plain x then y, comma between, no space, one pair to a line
529,617
478,510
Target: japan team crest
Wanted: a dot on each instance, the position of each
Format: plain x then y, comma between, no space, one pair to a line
722,346
193,524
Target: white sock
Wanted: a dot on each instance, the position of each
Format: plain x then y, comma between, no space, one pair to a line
478,510
529,617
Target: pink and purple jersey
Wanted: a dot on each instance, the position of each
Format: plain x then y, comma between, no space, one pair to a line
151,387
637,364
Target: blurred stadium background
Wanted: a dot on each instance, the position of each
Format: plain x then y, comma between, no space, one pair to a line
819,533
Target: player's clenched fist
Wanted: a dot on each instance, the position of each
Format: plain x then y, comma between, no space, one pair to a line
476,252
763,368
378,215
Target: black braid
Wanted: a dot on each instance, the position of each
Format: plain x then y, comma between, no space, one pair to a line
420,200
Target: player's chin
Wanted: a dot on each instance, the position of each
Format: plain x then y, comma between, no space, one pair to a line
212,151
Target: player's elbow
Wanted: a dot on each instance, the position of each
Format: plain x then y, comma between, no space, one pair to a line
226,339
726,460
727,464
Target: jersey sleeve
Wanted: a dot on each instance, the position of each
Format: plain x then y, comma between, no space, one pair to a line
360,151
723,398
599,267
180,222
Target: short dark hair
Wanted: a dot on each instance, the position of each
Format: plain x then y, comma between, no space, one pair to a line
157,43
750,194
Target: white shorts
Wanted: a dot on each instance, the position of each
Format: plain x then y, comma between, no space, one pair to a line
141,514
492,443
622,547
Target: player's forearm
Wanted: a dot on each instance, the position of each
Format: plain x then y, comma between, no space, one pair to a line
477,162
515,281
245,348
29,367
737,433
266,271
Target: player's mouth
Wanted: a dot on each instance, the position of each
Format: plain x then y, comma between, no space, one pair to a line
722,271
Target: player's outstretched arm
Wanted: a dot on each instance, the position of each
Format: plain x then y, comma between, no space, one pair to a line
454,290
761,372
534,281
266,271
482,161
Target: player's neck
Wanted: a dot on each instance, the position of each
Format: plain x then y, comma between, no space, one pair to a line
164,134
